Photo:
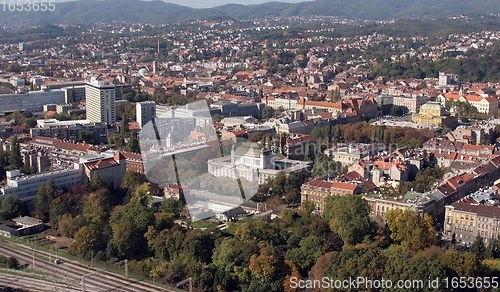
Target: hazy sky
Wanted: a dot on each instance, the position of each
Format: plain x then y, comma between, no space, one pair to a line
212,3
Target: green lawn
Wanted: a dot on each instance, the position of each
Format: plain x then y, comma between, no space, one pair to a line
203,224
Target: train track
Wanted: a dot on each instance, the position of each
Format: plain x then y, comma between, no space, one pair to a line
94,279
30,284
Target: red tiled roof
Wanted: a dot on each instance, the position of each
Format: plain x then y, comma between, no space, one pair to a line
134,126
481,210
319,184
459,180
119,156
103,163
344,186
56,143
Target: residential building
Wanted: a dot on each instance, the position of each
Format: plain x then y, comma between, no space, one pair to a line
26,186
447,79
145,112
348,154
412,103
296,146
70,130
32,101
467,219
484,104
316,192
422,203
74,93
100,101
110,170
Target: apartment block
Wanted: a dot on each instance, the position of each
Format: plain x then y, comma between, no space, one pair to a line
26,186
145,112
468,218
100,101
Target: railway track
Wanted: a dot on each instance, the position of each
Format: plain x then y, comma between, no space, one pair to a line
30,284
94,279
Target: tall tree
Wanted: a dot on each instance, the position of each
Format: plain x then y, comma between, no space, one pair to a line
336,135
3,161
10,207
133,144
15,158
124,125
268,112
44,198
349,218
479,248
411,230
85,240
93,211
96,182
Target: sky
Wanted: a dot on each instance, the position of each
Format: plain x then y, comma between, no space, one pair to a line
213,3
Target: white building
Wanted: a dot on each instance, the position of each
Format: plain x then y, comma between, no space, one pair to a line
145,111
100,101
447,79
32,101
73,93
68,130
36,81
252,162
17,81
26,186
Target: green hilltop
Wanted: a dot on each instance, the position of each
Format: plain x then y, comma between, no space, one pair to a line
92,11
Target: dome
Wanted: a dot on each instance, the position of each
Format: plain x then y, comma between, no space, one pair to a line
143,72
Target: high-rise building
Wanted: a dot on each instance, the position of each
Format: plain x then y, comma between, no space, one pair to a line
100,101
145,112
447,79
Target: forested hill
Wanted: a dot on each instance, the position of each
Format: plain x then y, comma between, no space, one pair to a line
92,11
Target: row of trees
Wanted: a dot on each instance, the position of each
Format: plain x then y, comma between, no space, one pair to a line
12,159
256,255
363,132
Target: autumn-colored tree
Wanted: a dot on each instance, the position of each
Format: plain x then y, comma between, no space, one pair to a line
412,231
292,272
318,271
93,211
85,240
463,264
263,266
67,226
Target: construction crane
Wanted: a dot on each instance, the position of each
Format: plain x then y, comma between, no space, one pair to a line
188,280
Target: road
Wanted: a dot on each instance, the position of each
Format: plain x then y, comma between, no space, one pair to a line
76,274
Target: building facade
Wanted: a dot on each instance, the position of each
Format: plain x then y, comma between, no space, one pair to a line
145,112
252,162
468,219
317,191
100,101
110,170
26,186
70,130
434,114
31,101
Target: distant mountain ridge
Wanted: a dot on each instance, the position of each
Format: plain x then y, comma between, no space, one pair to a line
91,11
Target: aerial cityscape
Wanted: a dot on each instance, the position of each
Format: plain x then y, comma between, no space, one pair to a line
307,146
